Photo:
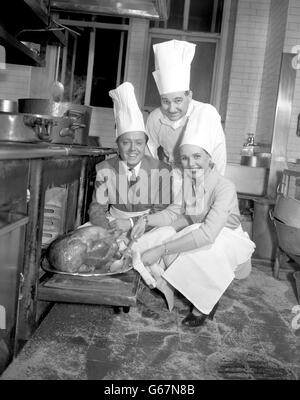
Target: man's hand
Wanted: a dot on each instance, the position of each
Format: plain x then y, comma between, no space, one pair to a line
151,256
120,224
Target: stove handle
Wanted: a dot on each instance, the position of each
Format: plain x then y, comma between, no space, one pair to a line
74,113
75,126
67,132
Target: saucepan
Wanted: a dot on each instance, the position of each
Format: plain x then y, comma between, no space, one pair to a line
8,106
17,128
79,116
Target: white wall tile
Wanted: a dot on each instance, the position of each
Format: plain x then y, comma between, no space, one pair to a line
292,38
14,82
246,74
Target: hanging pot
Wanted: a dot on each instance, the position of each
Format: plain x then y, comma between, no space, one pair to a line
16,128
8,106
79,115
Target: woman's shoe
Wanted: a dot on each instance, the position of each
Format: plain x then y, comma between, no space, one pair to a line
193,320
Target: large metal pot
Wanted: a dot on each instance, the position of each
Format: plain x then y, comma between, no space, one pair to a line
288,238
68,130
79,118
16,128
287,210
8,106
260,160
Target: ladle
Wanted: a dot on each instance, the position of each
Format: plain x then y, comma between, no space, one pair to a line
57,88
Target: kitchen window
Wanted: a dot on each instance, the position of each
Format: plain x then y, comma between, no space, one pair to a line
197,22
93,61
193,15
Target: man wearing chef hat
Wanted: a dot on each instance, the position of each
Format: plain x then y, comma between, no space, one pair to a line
131,184
166,124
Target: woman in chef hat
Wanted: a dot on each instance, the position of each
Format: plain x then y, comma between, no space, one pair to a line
203,258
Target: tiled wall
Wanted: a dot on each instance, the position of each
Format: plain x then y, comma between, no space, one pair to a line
103,125
292,38
274,49
246,73
14,82
137,52
21,81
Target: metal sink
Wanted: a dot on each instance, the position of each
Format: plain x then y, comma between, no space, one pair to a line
248,180
257,160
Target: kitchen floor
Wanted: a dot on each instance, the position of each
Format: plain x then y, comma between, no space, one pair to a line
253,336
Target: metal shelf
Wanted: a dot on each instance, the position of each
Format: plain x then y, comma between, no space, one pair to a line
26,21
17,52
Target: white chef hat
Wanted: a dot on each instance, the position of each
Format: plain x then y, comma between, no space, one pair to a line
173,65
127,114
201,128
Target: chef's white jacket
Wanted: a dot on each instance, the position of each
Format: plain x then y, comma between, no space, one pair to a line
168,134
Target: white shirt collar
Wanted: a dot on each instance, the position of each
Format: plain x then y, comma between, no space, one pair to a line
180,122
136,169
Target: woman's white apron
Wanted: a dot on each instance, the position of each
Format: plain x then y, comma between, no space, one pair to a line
202,275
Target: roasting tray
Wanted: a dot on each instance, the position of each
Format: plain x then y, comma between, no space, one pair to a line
48,268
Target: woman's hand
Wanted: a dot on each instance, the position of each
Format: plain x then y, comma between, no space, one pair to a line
139,229
120,224
151,256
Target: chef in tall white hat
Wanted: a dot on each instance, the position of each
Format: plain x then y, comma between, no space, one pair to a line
213,249
166,124
128,116
131,185
127,186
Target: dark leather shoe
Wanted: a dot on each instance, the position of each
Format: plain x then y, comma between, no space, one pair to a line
193,320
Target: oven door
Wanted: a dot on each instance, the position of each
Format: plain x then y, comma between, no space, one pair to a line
115,290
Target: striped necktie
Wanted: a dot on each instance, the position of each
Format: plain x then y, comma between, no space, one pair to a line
133,177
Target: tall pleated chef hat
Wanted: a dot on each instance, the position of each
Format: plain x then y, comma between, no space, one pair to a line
201,127
173,65
127,114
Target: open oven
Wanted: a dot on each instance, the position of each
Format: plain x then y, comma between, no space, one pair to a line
13,222
56,191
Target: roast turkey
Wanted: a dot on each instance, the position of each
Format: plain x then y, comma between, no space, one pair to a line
86,249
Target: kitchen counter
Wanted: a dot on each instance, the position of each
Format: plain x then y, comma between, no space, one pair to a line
17,150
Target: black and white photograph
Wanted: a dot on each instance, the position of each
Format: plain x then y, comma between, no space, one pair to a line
150,193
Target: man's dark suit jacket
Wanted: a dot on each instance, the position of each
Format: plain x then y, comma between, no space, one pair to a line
152,190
